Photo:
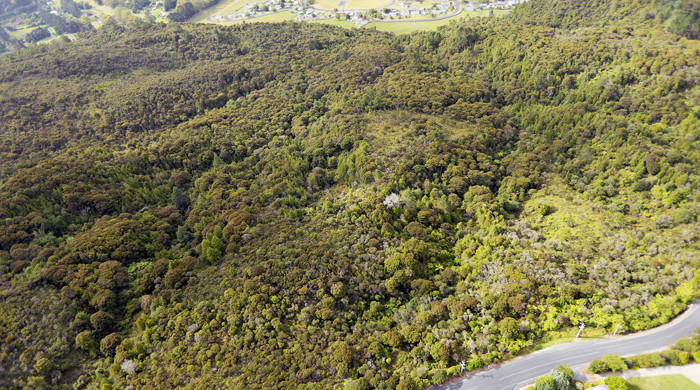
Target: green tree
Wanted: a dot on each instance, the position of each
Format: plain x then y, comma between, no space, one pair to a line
85,340
109,343
101,321
43,366
180,199
509,327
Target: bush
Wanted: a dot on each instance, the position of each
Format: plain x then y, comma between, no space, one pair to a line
545,383
673,357
657,360
545,209
566,370
616,383
439,376
615,362
598,366
696,356
646,360
684,344
561,382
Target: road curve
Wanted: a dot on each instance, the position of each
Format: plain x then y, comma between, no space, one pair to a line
524,370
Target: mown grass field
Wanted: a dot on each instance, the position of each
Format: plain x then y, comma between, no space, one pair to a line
663,382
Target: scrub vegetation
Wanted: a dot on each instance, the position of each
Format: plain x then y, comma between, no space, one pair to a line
298,205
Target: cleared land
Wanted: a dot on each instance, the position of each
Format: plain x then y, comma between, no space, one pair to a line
408,27
223,8
335,22
276,17
367,4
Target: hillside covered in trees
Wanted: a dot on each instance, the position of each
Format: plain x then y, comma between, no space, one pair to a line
295,205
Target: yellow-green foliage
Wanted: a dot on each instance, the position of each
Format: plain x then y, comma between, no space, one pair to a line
209,204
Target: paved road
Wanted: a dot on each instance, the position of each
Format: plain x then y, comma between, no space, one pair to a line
522,371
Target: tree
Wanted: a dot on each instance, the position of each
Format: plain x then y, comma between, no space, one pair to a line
509,328
43,366
182,12
183,235
85,340
180,199
440,352
406,383
109,343
129,366
174,277
104,299
342,352
101,321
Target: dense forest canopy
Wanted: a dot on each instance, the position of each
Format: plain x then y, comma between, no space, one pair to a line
303,206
